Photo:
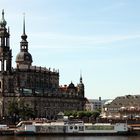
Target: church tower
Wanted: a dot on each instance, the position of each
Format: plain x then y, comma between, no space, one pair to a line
81,87
5,51
24,58
6,79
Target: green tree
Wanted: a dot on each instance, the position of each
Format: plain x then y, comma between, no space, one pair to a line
95,114
25,112
13,108
81,114
68,113
18,109
74,114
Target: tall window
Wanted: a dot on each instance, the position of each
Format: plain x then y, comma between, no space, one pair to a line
5,41
0,65
4,65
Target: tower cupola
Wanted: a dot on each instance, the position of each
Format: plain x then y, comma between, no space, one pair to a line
24,57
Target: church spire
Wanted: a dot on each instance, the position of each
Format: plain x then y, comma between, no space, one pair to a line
24,23
3,21
24,57
24,36
24,43
2,13
81,80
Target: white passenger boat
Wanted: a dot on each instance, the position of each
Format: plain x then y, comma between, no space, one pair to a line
71,128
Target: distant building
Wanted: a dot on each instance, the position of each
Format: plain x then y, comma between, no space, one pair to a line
37,86
122,107
94,104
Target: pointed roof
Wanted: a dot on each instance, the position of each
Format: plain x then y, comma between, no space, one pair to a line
81,80
24,36
24,57
3,21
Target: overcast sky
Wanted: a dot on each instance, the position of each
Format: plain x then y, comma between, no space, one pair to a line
101,38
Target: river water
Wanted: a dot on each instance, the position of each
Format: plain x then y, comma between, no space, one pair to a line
70,138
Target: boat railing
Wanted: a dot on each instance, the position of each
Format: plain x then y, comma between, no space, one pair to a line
24,123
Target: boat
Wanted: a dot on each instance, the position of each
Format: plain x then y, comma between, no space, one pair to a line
70,128
5,130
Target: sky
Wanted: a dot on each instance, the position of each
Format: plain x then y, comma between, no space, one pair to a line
98,38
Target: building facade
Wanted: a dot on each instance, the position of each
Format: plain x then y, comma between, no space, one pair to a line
94,104
37,87
122,107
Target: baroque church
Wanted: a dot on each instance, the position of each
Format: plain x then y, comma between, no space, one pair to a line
37,86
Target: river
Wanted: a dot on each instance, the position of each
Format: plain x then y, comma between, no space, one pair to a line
70,138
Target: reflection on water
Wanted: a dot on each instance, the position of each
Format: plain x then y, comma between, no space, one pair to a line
70,138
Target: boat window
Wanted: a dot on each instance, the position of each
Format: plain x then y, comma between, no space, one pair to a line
71,127
99,127
81,128
75,127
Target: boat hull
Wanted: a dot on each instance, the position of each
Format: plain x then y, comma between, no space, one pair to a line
23,133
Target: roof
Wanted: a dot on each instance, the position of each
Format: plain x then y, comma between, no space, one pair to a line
127,100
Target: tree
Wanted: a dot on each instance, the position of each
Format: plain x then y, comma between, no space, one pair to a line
13,111
18,109
95,114
82,114
25,112
67,113
13,108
